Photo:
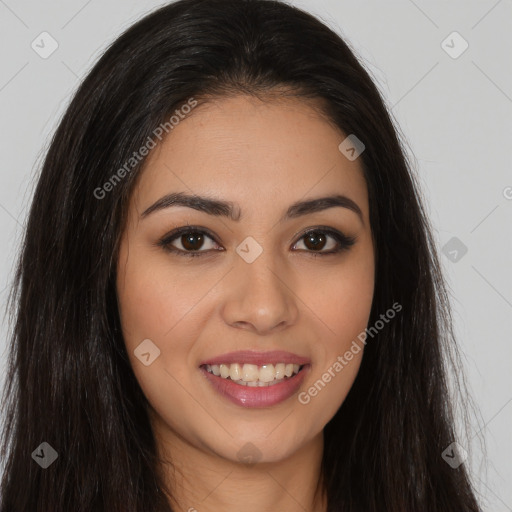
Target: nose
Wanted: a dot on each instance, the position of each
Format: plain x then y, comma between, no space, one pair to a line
259,296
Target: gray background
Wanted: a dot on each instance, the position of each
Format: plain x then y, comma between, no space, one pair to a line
455,114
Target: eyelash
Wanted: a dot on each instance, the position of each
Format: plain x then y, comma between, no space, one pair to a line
344,241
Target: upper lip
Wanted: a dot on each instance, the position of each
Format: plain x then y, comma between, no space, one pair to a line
257,358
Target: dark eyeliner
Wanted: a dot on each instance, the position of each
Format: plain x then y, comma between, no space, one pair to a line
165,242
344,241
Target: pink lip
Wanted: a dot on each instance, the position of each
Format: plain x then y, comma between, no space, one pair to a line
257,397
258,358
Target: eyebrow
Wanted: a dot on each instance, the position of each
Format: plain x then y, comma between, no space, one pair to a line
232,211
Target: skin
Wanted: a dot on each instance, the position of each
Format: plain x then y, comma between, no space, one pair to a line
264,156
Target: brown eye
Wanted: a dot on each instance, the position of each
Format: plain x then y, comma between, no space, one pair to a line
186,241
317,240
192,241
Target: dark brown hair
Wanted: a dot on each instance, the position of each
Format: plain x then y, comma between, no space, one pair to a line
70,382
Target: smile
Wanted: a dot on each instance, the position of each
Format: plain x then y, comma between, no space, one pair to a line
256,379
252,375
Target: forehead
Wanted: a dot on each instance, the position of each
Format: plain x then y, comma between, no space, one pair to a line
261,154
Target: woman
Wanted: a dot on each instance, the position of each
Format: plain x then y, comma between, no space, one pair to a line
228,295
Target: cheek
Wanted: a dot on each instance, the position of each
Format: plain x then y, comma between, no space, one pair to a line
156,304
328,388
342,306
343,309
341,299
154,299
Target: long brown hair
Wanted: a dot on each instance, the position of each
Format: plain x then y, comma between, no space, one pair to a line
70,383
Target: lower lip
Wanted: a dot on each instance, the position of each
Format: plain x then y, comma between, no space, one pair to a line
246,396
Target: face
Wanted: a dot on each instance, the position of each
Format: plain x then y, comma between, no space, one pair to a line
263,280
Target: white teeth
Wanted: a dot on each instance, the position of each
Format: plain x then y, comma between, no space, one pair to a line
267,373
224,371
280,370
252,375
235,372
